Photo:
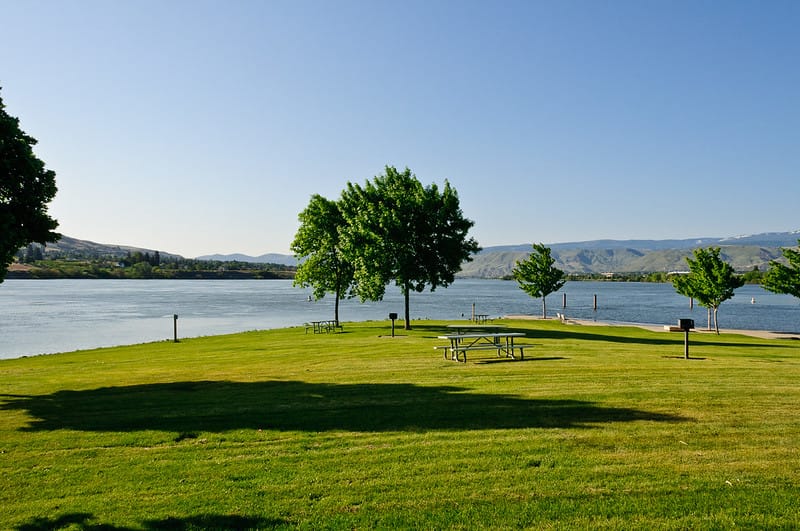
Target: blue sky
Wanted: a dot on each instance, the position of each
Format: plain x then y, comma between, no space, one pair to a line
199,127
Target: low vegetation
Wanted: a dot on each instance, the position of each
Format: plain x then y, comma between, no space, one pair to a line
599,427
137,265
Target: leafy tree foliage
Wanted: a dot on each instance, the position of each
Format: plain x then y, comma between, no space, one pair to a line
537,276
399,230
317,245
25,189
711,281
783,278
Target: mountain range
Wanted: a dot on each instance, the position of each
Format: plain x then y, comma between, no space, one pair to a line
594,256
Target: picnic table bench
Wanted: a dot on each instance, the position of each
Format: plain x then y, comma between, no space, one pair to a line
500,342
323,326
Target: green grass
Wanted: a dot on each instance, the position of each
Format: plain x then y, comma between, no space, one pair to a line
599,427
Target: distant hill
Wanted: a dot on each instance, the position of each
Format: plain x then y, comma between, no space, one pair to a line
595,256
269,258
635,256
68,247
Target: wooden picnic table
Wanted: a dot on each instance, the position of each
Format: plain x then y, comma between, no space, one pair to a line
501,342
481,317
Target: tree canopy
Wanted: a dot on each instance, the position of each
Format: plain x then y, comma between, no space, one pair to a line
25,189
537,275
783,278
317,245
399,230
711,281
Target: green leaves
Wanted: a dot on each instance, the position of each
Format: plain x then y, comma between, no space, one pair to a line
537,276
782,278
25,189
317,245
399,230
710,281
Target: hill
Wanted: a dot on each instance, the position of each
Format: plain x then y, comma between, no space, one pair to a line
635,256
269,258
68,247
594,256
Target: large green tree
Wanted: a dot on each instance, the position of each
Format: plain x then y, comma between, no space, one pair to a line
711,280
782,278
537,275
317,246
399,230
25,189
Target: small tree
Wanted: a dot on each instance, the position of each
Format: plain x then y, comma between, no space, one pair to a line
783,278
25,189
711,281
317,246
537,276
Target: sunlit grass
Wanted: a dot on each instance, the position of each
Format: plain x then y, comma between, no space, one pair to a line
601,427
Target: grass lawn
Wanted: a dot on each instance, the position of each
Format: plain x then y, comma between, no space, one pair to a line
599,427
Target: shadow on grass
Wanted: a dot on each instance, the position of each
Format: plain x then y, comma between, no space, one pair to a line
190,407
504,359
611,334
87,522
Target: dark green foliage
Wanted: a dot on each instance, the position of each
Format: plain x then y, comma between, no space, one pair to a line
317,245
710,281
25,189
537,276
785,278
398,230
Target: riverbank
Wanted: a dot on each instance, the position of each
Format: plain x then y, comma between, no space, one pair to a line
763,334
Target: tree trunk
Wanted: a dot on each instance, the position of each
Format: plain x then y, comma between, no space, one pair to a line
708,315
544,307
406,296
716,324
336,309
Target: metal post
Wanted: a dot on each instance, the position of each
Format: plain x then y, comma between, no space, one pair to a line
686,344
563,300
595,302
175,327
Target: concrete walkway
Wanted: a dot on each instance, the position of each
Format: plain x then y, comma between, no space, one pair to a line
764,334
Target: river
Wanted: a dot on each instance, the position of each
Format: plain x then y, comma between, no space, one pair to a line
48,316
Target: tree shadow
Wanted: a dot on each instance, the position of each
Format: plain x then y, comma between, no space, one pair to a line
187,408
87,522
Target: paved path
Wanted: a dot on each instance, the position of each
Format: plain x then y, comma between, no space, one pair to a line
764,334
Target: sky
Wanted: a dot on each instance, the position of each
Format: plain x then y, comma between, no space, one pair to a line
200,127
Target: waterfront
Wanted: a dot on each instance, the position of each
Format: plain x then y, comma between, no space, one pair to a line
47,316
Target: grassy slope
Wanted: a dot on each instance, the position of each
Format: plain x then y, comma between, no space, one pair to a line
598,427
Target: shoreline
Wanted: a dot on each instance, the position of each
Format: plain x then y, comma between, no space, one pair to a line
763,334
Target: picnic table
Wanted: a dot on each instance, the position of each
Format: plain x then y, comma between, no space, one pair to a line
501,342
461,328
326,326
481,317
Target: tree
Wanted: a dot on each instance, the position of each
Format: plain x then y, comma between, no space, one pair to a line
398,230
317,246
537,276
783,278
25,189
711,281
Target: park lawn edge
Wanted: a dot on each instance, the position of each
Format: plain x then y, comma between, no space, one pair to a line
604,427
